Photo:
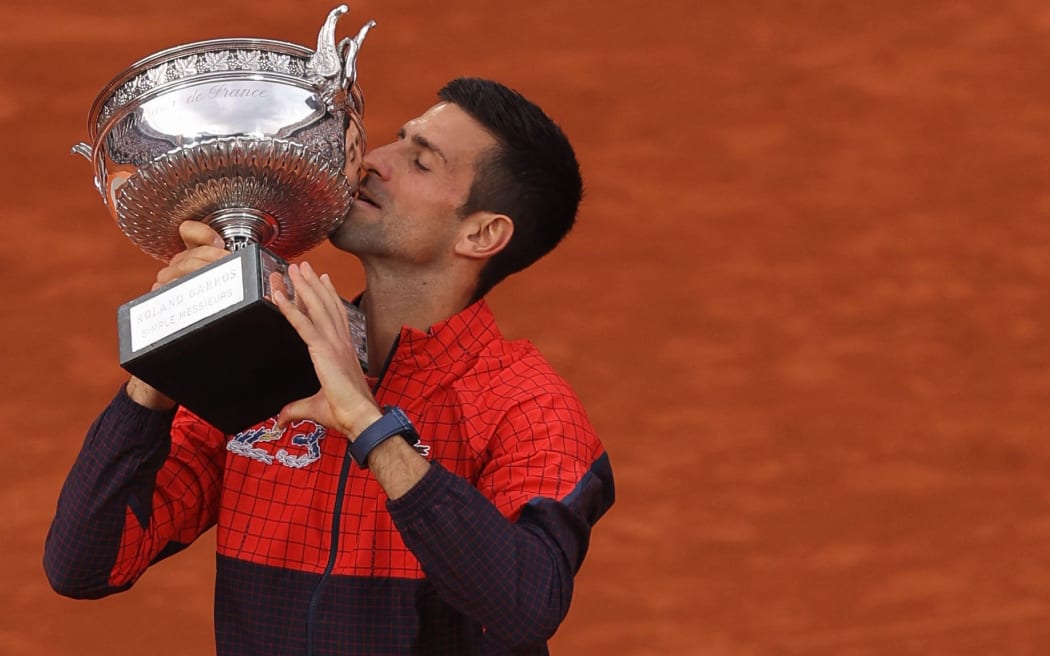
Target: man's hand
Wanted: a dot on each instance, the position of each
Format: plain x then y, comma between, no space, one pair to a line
203,246
344,403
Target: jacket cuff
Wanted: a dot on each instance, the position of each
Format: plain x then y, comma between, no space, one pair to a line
433,486
132,423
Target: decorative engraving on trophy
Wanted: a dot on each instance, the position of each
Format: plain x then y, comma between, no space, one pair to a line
128,146
186,303
152,111
247,60
208,62
224,91
184,67
281,63
154,77
324,139
217,61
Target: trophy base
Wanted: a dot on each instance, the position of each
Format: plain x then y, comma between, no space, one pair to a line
216,344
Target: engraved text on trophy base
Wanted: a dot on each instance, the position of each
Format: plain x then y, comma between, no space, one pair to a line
186,303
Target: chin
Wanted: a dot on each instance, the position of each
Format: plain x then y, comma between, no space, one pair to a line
340,238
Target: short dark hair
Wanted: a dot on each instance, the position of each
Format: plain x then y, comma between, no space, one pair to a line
531,176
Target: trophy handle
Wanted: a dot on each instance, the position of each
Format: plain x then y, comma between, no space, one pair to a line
350,47
332,69
82,149
85,150
325,61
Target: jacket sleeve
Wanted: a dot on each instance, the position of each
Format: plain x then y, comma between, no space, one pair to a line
144,485
505,550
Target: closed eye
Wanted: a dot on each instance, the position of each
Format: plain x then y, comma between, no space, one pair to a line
425,146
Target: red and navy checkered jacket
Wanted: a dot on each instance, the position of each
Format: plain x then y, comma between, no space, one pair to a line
478,558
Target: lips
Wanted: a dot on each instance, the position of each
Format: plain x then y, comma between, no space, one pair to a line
364,197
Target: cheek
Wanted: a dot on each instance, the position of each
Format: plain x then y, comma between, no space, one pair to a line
431,200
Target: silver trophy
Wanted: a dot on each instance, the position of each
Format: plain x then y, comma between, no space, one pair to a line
262,140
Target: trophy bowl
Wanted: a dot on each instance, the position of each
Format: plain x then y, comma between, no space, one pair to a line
261,139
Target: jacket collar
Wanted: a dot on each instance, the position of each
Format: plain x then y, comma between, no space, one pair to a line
458,339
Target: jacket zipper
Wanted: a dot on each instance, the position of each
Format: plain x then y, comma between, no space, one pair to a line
337,513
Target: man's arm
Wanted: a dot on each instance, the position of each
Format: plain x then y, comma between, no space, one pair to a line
131,498
514,578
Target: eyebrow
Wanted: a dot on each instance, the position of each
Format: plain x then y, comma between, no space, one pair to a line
423,142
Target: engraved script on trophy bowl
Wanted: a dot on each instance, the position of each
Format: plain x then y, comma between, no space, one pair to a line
261,139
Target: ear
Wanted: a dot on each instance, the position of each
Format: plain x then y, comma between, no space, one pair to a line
483,234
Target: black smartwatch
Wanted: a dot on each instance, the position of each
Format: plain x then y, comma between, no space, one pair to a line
393,422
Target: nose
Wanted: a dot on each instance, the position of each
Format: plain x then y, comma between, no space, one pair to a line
377,161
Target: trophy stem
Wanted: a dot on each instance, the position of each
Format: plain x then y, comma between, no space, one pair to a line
240,226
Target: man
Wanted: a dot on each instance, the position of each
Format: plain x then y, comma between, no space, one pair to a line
439,502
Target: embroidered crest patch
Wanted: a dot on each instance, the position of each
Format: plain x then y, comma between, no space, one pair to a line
305,434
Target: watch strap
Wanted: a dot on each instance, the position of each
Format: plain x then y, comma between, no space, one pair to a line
393,422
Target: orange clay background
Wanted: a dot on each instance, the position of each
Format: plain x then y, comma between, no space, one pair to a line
805,304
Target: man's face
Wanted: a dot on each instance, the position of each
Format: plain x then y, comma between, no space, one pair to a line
407,204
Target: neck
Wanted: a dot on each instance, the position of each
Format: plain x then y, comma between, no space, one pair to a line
392,301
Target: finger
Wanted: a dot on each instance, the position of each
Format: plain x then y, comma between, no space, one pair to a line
195,233
338,309
309,289
328,295
189,261
300,322
302,409
197,257
277,284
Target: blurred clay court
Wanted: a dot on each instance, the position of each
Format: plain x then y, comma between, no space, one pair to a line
806,307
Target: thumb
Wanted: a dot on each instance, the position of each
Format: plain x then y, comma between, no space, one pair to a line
195,233
296,410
